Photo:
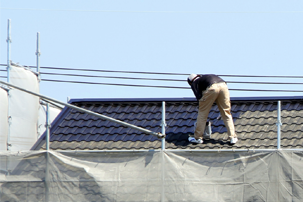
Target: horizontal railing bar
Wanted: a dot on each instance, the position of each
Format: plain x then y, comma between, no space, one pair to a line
45,98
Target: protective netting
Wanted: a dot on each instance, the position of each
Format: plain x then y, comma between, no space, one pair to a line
3,119
27,117
152,176
23,109
53,113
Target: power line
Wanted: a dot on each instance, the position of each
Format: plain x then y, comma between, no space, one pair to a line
111,71
111,77
174,80
286,91
156,79
161,73
133,11
177,80
157,73
176,87
115,71
291,77
247,82
116,84
153,86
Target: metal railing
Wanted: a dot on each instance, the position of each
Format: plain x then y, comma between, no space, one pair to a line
146,131
47,99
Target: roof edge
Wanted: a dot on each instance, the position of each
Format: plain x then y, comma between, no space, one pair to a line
184,99
132,99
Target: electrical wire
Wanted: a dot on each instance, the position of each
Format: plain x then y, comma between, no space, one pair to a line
158,79
290,77
157,73
111,77
133,11
175,80
176,87
271,83
116,84
161,73
111,71
286,91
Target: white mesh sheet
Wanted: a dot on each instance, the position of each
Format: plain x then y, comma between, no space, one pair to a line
153,176
53,113
3,119
23,109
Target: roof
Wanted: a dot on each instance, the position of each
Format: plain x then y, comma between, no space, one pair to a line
255,121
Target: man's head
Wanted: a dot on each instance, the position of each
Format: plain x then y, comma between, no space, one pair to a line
191,78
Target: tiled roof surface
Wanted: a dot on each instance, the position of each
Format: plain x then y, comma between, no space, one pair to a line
255,122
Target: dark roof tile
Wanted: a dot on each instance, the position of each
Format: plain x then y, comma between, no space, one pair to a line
102,137
255,122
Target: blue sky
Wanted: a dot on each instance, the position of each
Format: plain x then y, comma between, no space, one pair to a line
218,37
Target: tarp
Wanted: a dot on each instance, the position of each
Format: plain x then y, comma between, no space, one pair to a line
53,113
3,119
23,109
153,176
28,117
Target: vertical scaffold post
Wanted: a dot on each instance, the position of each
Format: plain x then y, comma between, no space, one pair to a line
163,124
9,40
38,67
38,56
47,125
46,181
279,124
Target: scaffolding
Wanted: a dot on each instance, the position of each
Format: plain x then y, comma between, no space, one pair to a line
148,175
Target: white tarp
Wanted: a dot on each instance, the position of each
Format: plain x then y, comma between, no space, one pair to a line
53,112
153,176
3,119
23,109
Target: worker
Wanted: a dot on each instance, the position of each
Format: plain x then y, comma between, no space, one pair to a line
210,88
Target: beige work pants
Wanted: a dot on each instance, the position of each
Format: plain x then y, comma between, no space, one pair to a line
218,93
